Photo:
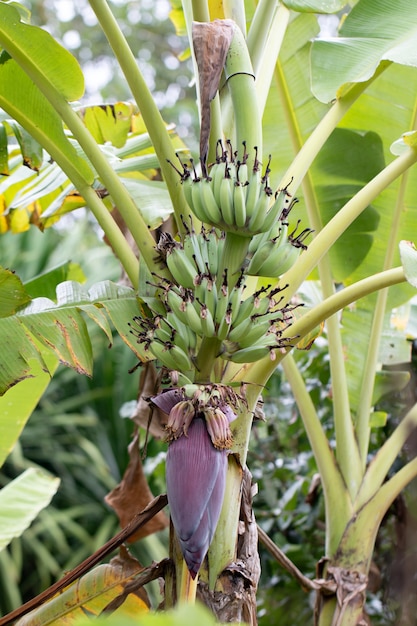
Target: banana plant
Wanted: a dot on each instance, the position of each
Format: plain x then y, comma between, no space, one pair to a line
217,302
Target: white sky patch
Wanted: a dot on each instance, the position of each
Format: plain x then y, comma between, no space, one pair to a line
72,39
65,10
98,72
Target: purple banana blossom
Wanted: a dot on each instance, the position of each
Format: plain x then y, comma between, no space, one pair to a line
196,467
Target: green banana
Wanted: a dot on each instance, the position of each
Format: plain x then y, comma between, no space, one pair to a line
222,301
192,317
235,298
260,212
211,208
238,332
253,189
260,256
187,183
207,321
176,303
197,243
224,325
274,211
184,337
253,305
214,246
239,204
257,330
253,353
226,200
181,267
280,260
197,200
171,356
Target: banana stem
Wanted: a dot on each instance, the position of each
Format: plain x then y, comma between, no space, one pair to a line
207,354
246,123
188,588
259,372
143,97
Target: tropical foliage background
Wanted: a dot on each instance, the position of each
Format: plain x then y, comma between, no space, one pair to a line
79,430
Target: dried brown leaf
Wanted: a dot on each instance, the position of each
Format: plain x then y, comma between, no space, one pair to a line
211,41
133,494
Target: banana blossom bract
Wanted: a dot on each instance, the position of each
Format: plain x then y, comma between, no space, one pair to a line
195,470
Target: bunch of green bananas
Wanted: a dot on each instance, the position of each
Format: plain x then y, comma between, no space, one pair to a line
274,252
198,304
233,196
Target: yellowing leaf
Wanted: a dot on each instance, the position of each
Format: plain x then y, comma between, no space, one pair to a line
90,595
19,221
110,123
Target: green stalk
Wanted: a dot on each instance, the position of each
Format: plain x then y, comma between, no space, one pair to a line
121,198
339,223
385,457
246,123
114,235
143,97
247,128
258,373
207,354
371,360
346,447
259,30
200,11
235,10
336,495
269,61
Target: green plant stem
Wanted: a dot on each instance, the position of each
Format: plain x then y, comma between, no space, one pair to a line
235,10
200,11
207,354
114,186
337,501
259,31
241,82
114,235
339,223
258,373
371,359
143,97
269,61
346,446
385,457
110,179
393,487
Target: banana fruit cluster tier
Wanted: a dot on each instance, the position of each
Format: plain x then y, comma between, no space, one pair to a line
207,298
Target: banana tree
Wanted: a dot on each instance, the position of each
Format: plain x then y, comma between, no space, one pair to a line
216,303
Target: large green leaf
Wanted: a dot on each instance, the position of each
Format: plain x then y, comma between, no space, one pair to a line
25,103
372,32
19,402
61,328
22,499
34,47
12,293
45,63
